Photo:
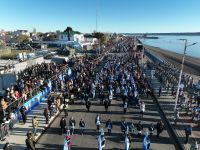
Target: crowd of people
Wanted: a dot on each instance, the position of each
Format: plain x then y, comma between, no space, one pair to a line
120,77
103,78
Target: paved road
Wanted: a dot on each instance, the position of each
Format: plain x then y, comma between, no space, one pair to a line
54,141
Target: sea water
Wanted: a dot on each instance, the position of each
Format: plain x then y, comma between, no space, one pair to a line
172,43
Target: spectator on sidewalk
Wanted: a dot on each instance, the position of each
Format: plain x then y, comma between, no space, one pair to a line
63,125
35,125
46,115
188,132
82,125
23,113
7,146
30,143
72,124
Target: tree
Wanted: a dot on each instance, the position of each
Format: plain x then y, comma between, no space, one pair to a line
22,39
50,37
69,31
100,36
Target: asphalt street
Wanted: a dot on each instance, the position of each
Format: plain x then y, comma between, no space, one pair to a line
53,140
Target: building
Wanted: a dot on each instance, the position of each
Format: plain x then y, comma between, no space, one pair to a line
64,37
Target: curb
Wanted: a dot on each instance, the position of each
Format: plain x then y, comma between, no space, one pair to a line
47,126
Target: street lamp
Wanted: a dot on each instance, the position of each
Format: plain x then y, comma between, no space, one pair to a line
181,71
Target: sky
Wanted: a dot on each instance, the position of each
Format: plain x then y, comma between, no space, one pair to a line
121,16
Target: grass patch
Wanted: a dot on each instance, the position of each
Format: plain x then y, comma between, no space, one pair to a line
14,54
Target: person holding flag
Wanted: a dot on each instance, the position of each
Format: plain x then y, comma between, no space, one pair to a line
127,142
146,142
101,140
67,141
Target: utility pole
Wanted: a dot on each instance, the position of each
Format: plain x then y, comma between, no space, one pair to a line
181,72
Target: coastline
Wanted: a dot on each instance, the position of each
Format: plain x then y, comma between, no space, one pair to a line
191,65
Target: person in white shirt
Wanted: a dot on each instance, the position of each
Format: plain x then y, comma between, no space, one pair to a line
142,108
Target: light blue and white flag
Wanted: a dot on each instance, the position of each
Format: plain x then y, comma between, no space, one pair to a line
146,141
101,140
127,143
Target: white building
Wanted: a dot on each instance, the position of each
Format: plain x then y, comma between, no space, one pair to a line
64,37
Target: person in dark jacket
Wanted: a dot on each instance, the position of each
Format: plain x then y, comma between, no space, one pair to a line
63,125
65,109
159,128
188,132
106,104
30,142
124,127
139,128
109,126
82,125
46,115
88,104
7,146
23,113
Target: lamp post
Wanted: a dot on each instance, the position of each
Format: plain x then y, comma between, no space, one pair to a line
181,71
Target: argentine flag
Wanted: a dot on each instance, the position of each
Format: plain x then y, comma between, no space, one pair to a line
67,141
127,143
101,140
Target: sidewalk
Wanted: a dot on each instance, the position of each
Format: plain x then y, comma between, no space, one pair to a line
167,102
17,135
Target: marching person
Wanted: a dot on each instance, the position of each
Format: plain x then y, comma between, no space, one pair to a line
131,128
125,107
46,115
88,104
139,128
159,128
176,116
109,126
106,104
124,127
72,124
142,108
35,125
151,129
63,125
188,132
82,125
98,122
65,109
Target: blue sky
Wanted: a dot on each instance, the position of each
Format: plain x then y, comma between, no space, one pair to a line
113,15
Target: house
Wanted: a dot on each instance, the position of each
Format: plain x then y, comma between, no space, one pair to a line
64,37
